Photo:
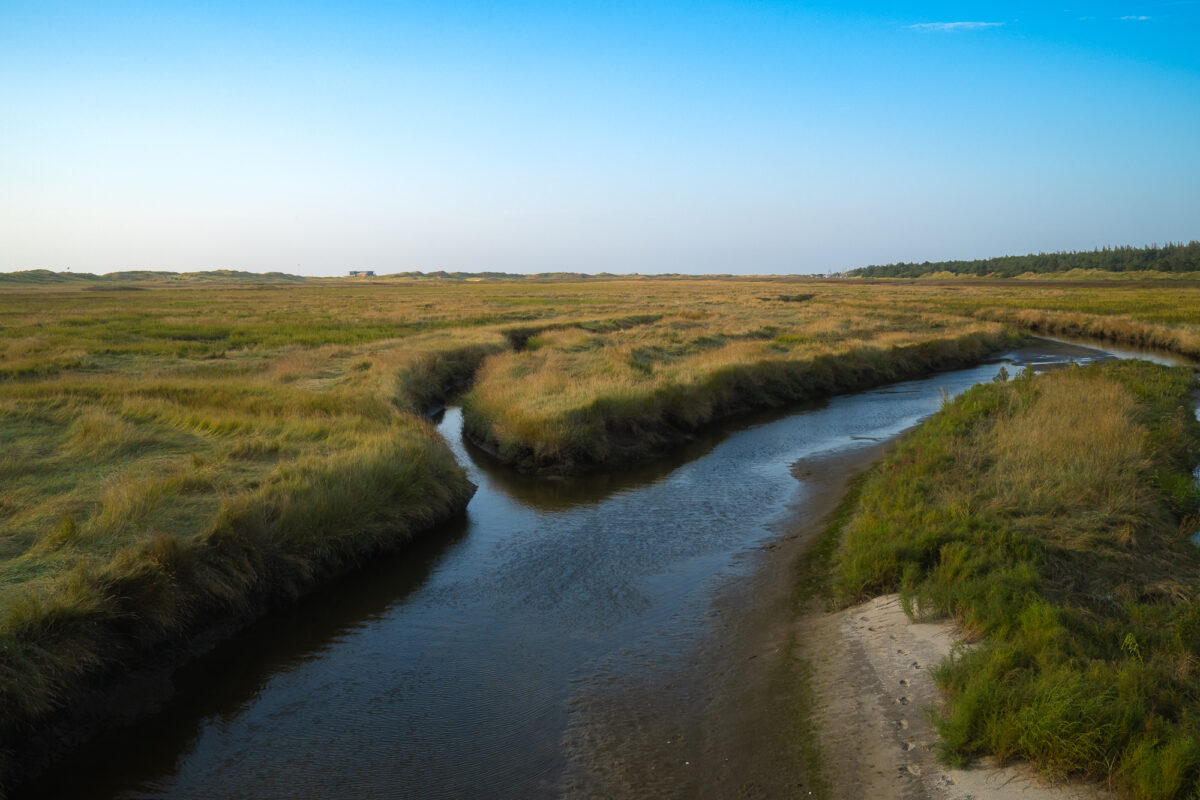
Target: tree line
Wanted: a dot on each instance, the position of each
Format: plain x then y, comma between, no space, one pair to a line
1174,257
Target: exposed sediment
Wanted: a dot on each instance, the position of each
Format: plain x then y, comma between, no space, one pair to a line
873,686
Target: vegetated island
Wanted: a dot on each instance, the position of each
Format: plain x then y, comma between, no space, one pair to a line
182,452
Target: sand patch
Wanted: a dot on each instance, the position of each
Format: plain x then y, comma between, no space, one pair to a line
873,687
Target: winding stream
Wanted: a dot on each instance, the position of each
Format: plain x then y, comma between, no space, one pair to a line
506,655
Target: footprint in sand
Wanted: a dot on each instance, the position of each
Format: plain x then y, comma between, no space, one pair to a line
901,652
911,769
873,629
904,700
904,681
915,665
902,724
906,746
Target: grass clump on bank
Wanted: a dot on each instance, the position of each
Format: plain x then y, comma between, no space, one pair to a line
1049,517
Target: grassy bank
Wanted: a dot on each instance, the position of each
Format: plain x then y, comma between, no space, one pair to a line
1179,338
174,463
574,400
1146,313
134,524
1049,517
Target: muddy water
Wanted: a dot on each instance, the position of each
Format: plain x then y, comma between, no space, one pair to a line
558,640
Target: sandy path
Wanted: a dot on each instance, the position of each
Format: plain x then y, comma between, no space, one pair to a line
872,687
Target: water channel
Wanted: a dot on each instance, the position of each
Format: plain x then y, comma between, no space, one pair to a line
511,652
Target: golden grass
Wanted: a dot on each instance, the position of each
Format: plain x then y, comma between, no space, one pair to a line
570,393
1178,338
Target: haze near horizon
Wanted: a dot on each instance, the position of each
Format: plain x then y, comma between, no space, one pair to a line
754,137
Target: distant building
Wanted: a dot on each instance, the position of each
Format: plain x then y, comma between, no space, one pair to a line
362,273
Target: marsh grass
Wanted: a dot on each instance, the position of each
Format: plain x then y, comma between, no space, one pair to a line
1045,516
1180,338
183,450
1152,314
571,399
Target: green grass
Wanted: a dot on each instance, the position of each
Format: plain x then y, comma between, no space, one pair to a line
1048,517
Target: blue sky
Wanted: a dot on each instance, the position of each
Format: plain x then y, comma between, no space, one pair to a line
749,137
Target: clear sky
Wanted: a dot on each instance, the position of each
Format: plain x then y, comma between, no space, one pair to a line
744,137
